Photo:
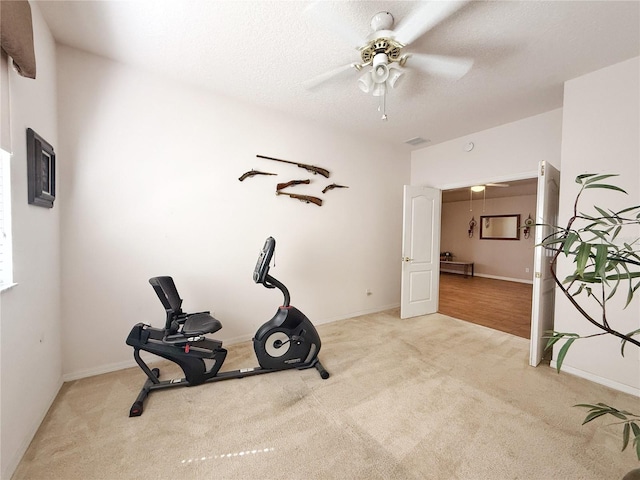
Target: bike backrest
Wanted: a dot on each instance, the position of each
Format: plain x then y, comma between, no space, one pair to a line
168,295
262,265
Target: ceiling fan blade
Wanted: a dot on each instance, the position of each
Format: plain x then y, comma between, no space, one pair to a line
451,67
322,14
497,185
423,19
315,82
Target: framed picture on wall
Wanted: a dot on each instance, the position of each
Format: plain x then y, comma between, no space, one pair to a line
41,170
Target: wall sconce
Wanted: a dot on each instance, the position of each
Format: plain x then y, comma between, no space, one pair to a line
472,226
528,223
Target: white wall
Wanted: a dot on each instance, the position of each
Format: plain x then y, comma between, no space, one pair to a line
151,188
30,312
601,134
507,152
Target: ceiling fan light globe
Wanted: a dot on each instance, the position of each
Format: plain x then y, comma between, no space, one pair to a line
477,188
365,82
379,89
394,76
380,73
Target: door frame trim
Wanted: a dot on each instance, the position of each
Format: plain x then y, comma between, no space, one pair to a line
494,179
505,178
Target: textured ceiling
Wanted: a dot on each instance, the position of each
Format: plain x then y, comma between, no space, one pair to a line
262,51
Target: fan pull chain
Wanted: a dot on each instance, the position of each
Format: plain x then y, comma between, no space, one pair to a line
383,106
484,198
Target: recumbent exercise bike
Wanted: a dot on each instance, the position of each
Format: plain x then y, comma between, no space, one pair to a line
288,340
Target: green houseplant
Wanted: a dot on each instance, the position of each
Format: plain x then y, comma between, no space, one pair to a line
604,265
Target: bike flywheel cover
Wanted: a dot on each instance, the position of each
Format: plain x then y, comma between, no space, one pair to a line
277,344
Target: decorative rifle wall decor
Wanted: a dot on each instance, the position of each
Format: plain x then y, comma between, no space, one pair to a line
281,186
292,183
332,186
311,168
302,198
252,173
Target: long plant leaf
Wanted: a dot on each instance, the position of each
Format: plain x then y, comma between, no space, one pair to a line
629,209
572,237
624,340
604,185
581,177
630,290
597,178
563,352
616,232
605,215
636,439
594,415
617,414
554,337
614,288
582,256
625,436
624,276
601,260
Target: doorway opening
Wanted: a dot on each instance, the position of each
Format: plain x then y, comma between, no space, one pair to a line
499,294
421,223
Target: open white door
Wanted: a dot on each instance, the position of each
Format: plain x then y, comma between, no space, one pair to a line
544,287
420,251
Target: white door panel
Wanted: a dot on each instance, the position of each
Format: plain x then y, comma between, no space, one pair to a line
544,286
420,251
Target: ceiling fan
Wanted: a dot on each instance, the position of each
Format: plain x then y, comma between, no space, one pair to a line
382,55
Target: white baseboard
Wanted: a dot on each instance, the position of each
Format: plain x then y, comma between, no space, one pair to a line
508,279
108,368
621,387
357,314
14,461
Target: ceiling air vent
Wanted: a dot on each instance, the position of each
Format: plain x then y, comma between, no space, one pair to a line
416,141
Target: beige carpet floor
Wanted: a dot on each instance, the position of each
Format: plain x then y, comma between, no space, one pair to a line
426,398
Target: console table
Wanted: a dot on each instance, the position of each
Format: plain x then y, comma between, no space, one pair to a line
466,266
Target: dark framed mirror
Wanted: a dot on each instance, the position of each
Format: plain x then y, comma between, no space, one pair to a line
500,227
41,171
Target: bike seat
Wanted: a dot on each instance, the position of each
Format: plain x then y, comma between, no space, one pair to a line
200,324
178,322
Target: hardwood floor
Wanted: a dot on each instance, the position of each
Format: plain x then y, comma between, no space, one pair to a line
498,304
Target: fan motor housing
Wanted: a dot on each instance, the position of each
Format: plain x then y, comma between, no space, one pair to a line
384,45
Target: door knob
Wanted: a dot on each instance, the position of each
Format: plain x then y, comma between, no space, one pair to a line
407,259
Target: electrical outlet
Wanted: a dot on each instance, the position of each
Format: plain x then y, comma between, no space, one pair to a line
526,270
